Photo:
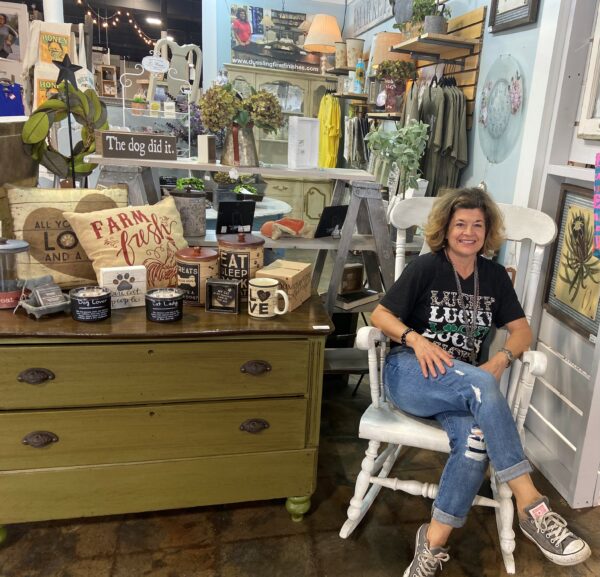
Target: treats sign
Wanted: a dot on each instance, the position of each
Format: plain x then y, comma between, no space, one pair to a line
138,146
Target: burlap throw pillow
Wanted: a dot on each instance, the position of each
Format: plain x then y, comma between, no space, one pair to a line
147,235
37,216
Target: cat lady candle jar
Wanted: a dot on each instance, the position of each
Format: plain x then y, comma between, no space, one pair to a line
164,305
90,303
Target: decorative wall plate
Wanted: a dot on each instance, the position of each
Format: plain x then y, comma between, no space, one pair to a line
500,113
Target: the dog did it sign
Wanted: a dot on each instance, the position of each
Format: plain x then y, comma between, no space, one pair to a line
138,145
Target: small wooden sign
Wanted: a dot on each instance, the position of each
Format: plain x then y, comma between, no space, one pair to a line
222,295
137,145
127,285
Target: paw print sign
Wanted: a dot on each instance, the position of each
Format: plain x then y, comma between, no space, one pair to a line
127,285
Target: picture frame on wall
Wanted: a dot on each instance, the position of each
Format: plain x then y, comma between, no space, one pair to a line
589,121
14,31
572,291
507,14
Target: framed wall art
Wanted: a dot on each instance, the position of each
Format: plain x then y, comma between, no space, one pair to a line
589,122
573,284
14,31
506,14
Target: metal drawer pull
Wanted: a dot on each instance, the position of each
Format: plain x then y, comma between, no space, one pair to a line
254,425
39,439
35,376
255,368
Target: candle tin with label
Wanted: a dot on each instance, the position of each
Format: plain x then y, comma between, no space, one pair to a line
195,265
164,305
90,303
240,256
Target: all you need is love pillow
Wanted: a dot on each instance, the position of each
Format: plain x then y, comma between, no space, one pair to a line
134,235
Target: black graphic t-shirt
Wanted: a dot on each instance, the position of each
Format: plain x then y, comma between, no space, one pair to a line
425,298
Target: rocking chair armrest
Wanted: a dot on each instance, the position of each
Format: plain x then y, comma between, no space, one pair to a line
368,337
537,362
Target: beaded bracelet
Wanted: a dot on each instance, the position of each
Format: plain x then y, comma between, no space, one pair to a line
404,335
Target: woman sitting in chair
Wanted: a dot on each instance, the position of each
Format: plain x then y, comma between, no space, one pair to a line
438,313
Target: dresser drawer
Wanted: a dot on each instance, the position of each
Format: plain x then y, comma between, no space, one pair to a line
153,432
66,492
86,375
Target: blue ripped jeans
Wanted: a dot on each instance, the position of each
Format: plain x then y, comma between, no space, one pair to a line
468,404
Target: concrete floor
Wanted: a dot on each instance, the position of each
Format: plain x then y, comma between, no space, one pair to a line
259,539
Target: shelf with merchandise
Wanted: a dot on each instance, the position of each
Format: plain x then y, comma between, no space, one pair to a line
146,113
342,71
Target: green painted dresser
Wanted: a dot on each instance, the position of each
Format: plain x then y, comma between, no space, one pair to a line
127,415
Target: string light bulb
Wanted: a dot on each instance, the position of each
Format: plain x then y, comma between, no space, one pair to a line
114,20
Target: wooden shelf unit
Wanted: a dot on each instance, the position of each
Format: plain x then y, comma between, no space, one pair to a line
343,71
459,50
385,115
351,96
446,48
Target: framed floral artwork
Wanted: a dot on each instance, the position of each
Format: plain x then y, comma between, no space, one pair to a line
506,14
573,283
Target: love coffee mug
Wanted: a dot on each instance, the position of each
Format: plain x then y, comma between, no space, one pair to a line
263,297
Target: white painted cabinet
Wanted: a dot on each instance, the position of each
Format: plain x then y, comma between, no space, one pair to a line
563,424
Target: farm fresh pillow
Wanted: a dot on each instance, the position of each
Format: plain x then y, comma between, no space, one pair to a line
136,235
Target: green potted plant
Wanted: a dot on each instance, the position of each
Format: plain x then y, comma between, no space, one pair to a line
394,74
139,104
242,188
429,16
402,147
190,183
223,108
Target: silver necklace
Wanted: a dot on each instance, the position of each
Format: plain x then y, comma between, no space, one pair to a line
471,327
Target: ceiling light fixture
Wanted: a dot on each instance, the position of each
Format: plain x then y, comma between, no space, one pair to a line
170,38
152,20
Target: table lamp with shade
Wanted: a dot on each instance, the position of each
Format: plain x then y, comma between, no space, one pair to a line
324,32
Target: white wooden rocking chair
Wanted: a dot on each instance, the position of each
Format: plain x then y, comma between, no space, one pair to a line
388,430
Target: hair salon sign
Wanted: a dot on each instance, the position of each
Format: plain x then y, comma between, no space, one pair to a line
368,13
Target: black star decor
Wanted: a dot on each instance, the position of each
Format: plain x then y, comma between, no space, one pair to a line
66,71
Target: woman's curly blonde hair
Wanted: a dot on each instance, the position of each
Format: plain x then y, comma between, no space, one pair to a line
436,229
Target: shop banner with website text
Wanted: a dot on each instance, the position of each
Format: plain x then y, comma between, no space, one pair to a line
271,39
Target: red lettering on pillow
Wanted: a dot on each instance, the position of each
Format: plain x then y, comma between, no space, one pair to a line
97,227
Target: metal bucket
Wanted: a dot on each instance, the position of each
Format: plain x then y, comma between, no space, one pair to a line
240,147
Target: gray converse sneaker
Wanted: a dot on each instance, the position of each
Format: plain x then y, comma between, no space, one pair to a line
549,531
426,561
